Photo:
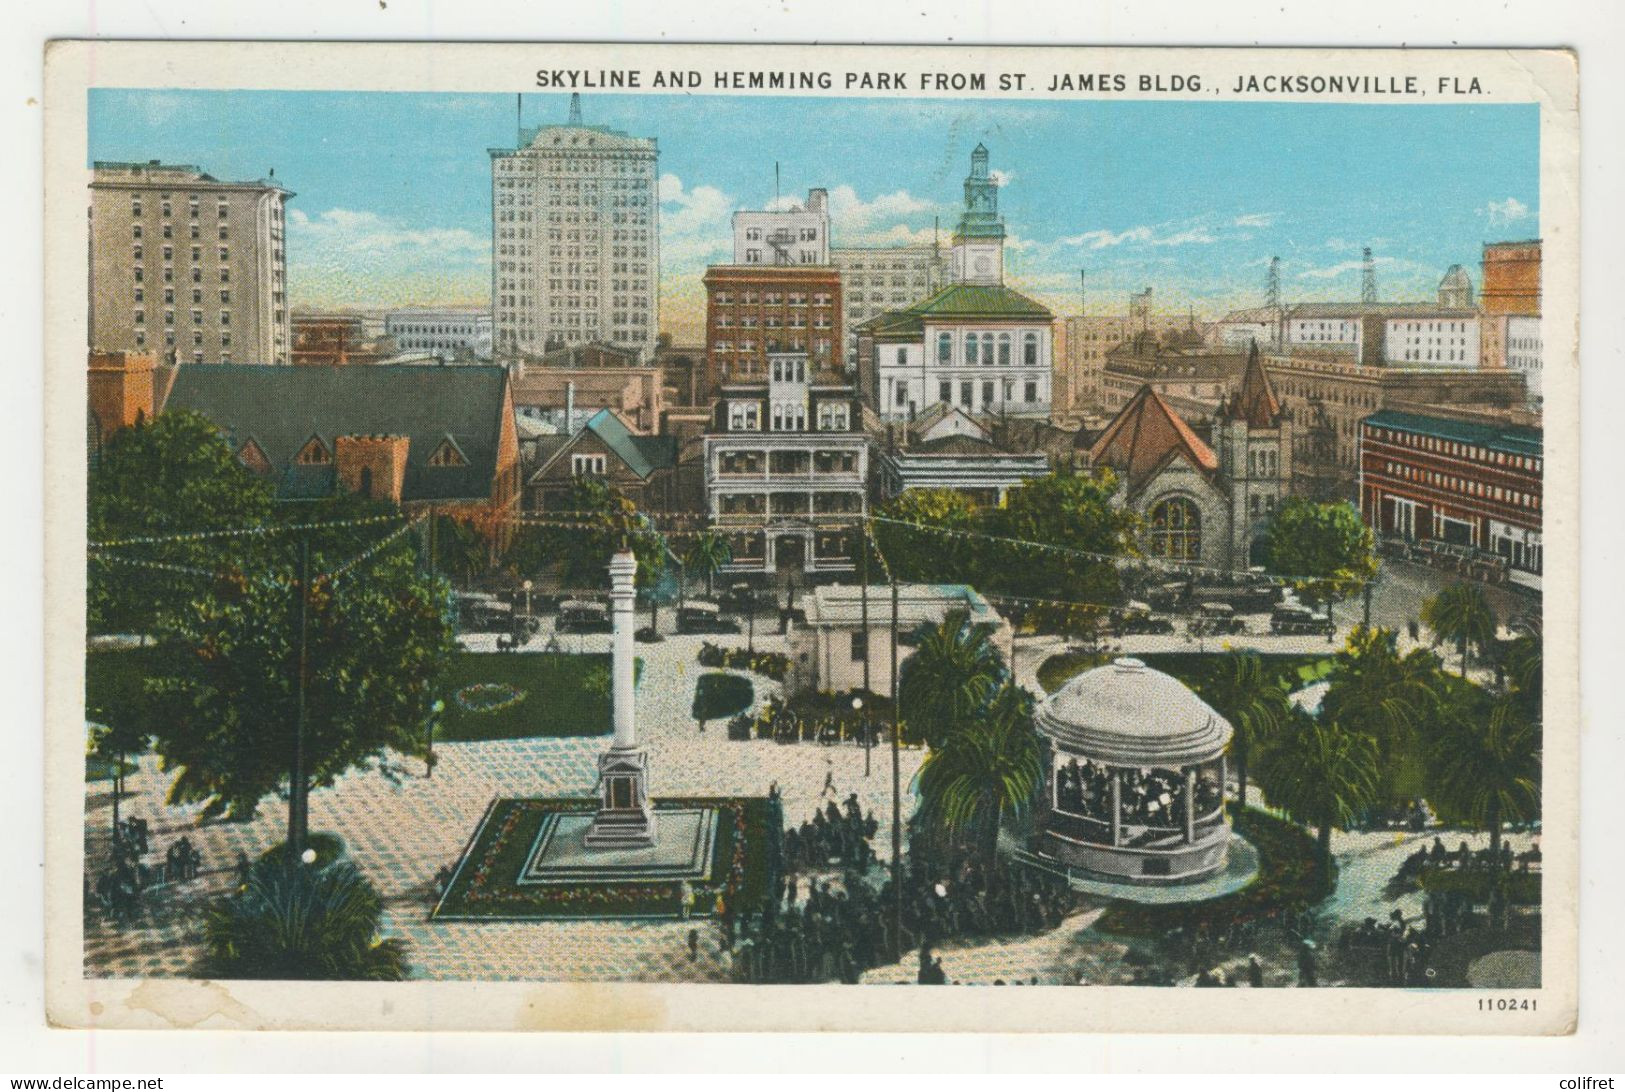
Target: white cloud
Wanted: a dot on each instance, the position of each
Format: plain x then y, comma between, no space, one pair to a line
1505,212
342,257
1189,235
1158,235
1100,239
695,222
349,234
1254,219
1001,178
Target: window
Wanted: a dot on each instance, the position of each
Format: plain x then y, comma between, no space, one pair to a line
972,347
945,348
965,393
1032,391
987,392
1176,530
584,466
902,355
1029,353
447,454
901,398
314,453
860,647
945,392
1004,350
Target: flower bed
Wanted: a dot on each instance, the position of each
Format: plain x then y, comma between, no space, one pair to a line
1289,880
486,886
489,697
774,665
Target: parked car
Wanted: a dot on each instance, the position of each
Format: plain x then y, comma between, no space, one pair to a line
1136,619
583,616
739,598
1298,621
481,613
1218,618
700,616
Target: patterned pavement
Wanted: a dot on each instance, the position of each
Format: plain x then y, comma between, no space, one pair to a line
401,827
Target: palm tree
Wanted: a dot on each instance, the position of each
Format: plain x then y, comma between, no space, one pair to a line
950,676
985,772
1485,769
302,922
1376,691
1461,615
707,555
1251,699
1321,774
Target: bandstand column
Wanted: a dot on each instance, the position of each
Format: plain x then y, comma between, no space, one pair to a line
1190,804
1117,805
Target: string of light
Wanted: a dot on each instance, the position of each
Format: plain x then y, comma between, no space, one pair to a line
240,532
339,572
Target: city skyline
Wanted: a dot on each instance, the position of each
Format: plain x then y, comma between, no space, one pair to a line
393,204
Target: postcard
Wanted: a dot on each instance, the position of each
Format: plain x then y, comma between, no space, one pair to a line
673,537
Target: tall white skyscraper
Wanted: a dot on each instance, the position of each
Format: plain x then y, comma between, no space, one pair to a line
575,239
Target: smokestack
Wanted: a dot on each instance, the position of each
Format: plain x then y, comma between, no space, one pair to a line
569,406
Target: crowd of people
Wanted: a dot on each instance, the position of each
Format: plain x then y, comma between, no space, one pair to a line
1149,797
1464,858
117,889
833,836
827,919
783,722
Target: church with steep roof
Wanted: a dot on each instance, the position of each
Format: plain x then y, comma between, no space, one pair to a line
1203,501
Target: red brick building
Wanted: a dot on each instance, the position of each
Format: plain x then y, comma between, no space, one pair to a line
1457,482
754,310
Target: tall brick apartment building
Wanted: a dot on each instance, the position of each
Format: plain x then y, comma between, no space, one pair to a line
754,310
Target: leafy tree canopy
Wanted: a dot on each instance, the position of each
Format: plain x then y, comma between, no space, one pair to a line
608,521
1327,545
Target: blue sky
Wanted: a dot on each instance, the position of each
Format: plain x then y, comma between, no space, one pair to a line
393,189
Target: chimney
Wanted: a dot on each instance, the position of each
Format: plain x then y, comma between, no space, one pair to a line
569,406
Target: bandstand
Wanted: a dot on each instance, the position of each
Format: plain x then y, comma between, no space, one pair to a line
1135,778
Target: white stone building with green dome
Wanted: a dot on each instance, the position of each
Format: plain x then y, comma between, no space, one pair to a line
974,344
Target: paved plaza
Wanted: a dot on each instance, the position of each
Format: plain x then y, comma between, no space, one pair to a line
401,830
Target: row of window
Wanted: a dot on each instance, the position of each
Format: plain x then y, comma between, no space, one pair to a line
1456,449
165,209
725,321
746,416
169,275
993,393
752,463
985,349
790,504
772,299
1470,487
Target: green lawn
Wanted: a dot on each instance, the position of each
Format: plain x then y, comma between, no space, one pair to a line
558,694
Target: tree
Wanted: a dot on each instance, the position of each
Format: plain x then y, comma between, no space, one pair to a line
707,554
1461,615
1321,774
301,922
1485,764
986,771
1076,514
596,520
224,710
1374,690
462,546
951,675
171,476
919,553
1326,548
1252,699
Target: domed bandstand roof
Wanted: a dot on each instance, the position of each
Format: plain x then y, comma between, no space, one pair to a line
1127,714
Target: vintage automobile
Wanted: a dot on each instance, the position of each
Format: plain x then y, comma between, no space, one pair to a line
699,616
1217,618
583,616
1292,620
1136,619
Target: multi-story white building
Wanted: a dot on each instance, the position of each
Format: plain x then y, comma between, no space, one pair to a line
1523,352
876,279
575,240
787,469
975,344
447,333
798,235
187,266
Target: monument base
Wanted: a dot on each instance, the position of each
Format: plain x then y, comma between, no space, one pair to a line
625,819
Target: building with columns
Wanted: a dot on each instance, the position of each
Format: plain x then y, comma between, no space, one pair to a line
975,344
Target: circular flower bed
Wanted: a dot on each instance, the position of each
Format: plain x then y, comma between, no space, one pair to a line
489,697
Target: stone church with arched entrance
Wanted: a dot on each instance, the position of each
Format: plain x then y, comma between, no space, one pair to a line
1202,501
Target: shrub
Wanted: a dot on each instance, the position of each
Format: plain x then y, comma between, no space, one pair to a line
774,665
307,922
717,695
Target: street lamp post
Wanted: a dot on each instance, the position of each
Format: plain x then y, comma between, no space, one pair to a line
434,714
863,726
527,586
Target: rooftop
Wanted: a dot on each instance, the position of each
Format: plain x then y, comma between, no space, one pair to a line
1512,439
1127,714
917,604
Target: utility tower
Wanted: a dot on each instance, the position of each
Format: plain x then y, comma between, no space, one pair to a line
1272,297
1368,277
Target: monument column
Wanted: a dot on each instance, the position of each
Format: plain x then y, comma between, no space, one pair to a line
625,818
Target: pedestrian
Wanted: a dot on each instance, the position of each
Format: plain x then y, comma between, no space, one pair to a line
685,899
1255,973
829,779
693,944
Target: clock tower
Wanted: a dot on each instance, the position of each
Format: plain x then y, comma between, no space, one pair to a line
978,249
